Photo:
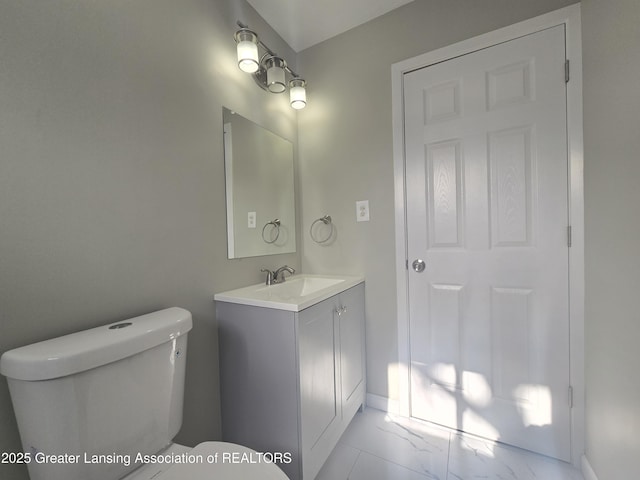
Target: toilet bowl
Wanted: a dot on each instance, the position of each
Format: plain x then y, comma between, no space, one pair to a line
106,403
213,460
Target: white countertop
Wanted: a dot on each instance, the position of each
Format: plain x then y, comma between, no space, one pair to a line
296,293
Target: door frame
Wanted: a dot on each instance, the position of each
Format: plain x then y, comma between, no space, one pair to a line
571,18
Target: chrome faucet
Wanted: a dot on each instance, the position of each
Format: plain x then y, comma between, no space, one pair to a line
278,275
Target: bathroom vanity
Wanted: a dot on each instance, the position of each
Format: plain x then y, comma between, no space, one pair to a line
292,366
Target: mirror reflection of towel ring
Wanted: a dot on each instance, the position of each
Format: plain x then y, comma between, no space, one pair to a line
275,227
327,221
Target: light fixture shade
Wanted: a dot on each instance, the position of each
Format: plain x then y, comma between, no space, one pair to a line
276,75
298,93
247,50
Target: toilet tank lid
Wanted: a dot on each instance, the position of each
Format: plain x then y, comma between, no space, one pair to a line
81,351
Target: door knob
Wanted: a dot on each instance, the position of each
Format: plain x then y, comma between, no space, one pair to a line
418,265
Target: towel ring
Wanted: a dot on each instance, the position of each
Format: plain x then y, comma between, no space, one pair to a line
275,228
327,221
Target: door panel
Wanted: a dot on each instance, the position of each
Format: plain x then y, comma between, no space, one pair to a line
487,210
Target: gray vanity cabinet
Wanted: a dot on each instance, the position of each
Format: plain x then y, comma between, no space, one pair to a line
292,381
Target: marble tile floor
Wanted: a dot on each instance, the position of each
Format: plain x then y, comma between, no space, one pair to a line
379,446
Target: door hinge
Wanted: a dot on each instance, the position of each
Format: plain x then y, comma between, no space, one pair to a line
406,263
570,396
569,236
566,71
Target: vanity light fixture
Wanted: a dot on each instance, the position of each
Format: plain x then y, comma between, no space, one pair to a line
269,70
275,74
298,93
247,50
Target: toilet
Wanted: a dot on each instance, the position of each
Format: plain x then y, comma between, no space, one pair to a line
105,404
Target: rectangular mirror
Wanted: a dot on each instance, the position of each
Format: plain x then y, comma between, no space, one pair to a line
261,216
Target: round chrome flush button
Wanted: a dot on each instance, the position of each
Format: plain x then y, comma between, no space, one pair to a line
120,325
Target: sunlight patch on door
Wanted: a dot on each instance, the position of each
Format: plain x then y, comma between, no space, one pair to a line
473,421
536,412
476,389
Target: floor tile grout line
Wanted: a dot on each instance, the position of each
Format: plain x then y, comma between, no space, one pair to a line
448,457
389,461
354,463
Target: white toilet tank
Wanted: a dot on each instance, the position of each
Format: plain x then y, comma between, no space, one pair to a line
88,403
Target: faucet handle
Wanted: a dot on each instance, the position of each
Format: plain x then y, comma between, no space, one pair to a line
269,279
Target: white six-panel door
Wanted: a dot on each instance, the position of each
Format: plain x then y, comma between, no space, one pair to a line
487,215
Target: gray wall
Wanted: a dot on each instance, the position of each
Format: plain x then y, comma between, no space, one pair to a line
345,141
112,199
611,40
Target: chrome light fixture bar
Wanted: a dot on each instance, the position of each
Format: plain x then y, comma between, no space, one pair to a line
269,70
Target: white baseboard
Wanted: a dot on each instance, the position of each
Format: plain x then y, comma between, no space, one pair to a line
587,471
382,403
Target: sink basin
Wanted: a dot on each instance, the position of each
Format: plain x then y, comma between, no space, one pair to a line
301,286
296,293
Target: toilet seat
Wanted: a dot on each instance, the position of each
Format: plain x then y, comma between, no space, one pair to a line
220,470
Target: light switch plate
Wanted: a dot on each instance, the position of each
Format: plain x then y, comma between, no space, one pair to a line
362,211
251,220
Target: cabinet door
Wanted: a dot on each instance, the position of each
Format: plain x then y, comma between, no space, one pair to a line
351,316
318,388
